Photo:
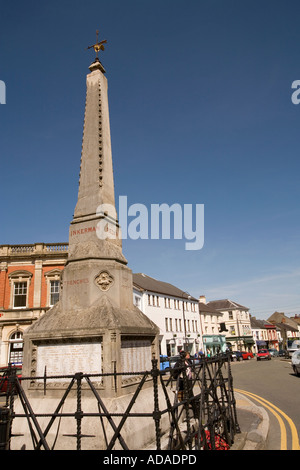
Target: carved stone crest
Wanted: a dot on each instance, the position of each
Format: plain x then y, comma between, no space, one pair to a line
104,281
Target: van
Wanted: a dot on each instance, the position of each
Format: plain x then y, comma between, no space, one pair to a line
164,362
294,347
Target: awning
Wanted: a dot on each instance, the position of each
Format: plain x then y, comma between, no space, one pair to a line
236,339
261,343
214,340
248,340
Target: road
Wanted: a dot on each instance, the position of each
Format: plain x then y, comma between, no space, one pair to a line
273,385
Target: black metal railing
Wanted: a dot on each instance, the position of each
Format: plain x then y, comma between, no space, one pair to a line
200,411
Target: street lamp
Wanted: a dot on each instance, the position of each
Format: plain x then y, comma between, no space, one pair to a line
183,314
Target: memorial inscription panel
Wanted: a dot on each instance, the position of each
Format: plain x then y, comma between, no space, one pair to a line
136,355
68,359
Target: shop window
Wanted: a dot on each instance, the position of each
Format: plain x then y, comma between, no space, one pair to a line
16,348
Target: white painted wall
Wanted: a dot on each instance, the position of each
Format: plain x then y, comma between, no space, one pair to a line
167,313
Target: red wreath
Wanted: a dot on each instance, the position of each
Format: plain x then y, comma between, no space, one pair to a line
220,443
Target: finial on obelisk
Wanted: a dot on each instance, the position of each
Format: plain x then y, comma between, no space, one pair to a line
98,46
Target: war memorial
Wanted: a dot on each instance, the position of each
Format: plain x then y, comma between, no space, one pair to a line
91,377
94,328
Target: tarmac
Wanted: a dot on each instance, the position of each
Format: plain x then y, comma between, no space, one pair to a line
254,424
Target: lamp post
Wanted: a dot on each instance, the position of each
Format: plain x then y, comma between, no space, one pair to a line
183,315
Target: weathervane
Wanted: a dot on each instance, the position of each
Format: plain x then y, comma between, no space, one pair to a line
98,46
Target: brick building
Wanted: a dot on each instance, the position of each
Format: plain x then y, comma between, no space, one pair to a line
29,285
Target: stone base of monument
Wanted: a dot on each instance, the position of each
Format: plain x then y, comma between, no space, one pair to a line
137,432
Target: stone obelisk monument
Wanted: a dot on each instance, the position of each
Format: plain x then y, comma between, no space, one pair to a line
94,328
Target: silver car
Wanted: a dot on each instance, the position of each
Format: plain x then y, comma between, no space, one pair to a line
296,362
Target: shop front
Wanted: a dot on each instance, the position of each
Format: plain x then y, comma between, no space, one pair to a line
261,345
176,344
248,343
214,344
240,343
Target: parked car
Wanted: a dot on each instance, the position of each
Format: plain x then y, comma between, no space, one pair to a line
4,371
195,360
236,356
263,354
173,360
296,362
247,355
273,352
283,353
164,362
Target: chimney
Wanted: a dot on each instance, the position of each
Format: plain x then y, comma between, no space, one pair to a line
202,299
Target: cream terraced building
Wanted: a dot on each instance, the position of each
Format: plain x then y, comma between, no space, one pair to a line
236,319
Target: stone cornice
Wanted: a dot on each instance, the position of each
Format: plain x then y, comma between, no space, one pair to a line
33,251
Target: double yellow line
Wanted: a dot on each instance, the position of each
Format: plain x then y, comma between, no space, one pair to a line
277,412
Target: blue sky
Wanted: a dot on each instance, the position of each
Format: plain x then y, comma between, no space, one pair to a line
201,113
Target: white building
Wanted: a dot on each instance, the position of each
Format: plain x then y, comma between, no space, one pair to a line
174,311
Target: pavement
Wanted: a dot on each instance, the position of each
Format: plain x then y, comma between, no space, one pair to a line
254,425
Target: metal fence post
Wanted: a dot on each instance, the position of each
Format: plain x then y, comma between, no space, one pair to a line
156,413
5,424
79,412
